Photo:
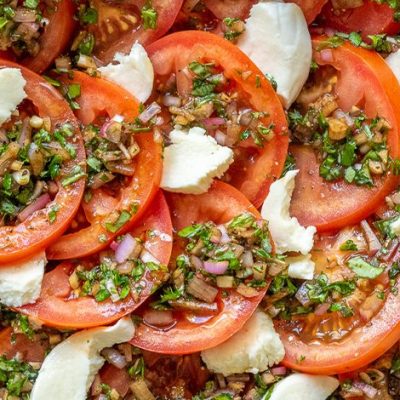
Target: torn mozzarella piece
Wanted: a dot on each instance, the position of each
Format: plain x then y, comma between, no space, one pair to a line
286,231
21,282
254,348
12,91
277,40
301,267
192,161
69,369
393,60
304,387
134,72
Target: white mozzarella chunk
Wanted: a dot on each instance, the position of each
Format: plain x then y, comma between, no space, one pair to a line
192,161
69,369
254,348
12,91
134,72
304,387
21,282
286,231
277,40
301,267
393,60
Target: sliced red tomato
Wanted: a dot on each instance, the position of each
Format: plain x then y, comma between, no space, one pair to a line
11,345
311,8
371,18
255,168
220,204
120,25
332,205
99,97
37,232
55,308
55,37
230,8
361,341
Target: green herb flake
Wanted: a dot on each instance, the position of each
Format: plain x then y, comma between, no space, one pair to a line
363,269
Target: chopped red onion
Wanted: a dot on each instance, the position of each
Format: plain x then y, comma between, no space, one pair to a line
213,121
326,55
368,390
247,259
171,101
152,110
125,248
114,357
224,234
38,204
196,262
159,318
373,242
302,295
216,267
278,371
220,137
114,245
106,127
321,309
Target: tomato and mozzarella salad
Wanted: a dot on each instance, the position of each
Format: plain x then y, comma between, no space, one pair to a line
199,199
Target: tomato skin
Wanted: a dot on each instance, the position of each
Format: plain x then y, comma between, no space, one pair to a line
122,41
99,96
230,8
360,348
331,206
55,38
116,378
174,52
28,350
55,309
311,8
369,19
220,204
36,232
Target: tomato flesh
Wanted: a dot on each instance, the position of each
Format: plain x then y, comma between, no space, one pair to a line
36,232
371,18
333,205
254,168
99,97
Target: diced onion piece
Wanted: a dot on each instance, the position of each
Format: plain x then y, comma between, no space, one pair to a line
225,281
202,290
247,291
216,267
151,111
368,390
158,318
372,240
114,357
125,248
141,391
36,205
279,370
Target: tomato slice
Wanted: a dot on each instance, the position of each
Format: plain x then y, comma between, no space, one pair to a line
120,25
101,97
255,168
220,204
230,8
55,37
311,8
362,341
369,19
54,308
28,350
36,232
330,206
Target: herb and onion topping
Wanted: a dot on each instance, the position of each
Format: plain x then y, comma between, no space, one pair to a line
350,146
119,274
214,103
217,258
22,24
32,154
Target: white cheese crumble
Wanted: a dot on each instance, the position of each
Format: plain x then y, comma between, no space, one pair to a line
21,282
254,348
286,231
304,387
69,369
192,161
134,72
277,40
395,227
12,91
301,267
